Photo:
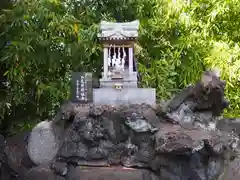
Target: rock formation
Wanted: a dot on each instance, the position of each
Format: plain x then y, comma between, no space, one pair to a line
229,125
199,105
133,142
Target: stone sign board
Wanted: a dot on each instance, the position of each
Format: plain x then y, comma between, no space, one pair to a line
81,91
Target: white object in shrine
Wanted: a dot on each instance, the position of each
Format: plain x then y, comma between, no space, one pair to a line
123,58
118,65
114,59
109,57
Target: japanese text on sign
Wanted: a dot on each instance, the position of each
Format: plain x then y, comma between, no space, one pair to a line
82,87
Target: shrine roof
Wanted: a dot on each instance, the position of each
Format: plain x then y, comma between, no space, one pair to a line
119,31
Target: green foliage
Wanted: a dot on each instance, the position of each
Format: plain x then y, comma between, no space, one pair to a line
46,44
48,39
218,22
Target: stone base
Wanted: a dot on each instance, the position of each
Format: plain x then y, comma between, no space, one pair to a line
128,80
117,75
111,96
112,173
113,82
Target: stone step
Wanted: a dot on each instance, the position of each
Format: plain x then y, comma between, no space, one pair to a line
112,173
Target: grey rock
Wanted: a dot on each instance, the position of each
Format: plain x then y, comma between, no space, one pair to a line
139,125
60,168
42,172
97,153
66,112
135,119
197,105
96,110
229,125
150,115
215,165
72,173
231,171
44,142
71,149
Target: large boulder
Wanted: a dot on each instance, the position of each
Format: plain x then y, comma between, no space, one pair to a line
134,136
45,138
44,142
110,136
174,141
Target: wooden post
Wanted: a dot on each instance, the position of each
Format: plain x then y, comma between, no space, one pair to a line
130,62
105,62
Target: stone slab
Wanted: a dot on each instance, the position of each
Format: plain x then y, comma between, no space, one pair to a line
111,96
81,87
111,173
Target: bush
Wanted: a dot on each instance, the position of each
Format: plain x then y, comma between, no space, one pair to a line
48,39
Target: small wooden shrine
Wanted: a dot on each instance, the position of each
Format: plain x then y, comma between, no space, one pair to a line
119,82
118,43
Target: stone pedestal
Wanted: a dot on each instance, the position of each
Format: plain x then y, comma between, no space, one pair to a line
111,96
117,75
128,81
112,173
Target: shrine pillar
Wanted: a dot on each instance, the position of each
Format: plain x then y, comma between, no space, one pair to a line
130,60
105,62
